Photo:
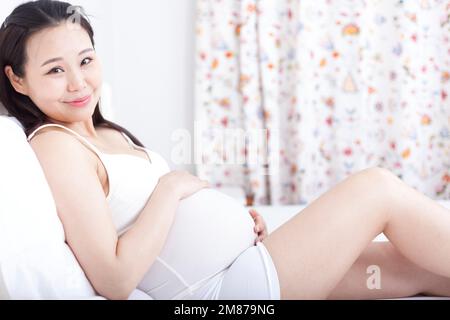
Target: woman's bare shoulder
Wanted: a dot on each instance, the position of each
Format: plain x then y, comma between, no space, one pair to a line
44,136
58,144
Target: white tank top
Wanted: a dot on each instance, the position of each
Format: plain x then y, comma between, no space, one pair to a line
209,231
131,178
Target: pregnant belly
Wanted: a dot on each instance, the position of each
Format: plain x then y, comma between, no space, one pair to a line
210,230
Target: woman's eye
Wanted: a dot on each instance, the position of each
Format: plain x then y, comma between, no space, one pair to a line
54,70
86,59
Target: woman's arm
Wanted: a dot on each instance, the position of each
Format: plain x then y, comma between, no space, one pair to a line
138,247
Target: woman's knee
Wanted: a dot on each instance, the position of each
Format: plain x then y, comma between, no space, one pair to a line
383,185
378,172
381,178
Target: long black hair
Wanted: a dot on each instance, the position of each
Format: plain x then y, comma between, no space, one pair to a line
26,20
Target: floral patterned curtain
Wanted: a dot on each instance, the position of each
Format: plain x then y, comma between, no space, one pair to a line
332,87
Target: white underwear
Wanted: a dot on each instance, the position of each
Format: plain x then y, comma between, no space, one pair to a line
252,276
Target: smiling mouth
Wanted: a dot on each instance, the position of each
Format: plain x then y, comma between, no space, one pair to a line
79,100
80,103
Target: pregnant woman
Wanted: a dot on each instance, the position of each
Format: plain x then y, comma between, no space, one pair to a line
133,223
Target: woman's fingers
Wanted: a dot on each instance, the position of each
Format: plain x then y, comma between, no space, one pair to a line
259,239
264,226
259,221
260,225
253,213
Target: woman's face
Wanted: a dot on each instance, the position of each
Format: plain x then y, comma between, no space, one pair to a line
74,74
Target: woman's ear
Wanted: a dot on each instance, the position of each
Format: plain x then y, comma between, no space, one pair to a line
16,82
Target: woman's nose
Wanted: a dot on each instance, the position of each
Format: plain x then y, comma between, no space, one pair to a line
76,81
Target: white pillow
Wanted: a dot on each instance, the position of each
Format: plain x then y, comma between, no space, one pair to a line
35,260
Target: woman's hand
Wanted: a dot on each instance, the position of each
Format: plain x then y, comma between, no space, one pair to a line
182,184
260,225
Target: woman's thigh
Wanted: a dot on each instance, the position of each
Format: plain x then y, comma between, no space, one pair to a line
382,272
313,250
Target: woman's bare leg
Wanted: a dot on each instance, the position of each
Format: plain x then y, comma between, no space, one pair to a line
315,249
382,272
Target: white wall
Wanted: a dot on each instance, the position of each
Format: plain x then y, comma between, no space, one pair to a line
147,52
